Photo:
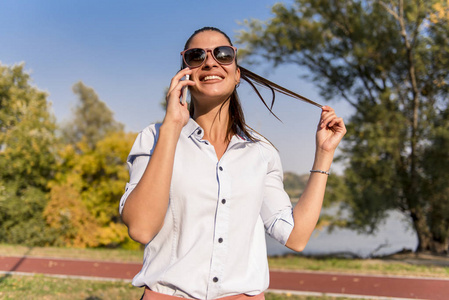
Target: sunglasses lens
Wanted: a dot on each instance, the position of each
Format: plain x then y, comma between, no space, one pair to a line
224,54
194,57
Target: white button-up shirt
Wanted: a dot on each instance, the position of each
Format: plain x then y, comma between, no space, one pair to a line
212,243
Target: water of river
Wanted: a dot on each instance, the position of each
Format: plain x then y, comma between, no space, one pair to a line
394,234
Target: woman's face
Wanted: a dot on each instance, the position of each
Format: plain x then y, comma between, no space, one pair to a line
214,82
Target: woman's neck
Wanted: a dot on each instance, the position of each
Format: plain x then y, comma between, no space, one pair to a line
214,122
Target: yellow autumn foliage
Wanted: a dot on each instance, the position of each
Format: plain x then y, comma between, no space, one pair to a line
84,198
66,213
441,12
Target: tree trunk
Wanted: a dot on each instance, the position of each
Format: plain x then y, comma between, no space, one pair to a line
427,242
421,229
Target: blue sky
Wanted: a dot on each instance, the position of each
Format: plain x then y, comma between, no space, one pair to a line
128,51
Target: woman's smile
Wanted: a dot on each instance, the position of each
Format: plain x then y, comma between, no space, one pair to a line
211,77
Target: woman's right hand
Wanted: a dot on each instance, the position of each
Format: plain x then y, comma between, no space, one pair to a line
177,112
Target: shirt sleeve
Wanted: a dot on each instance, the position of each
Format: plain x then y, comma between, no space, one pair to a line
276,211
138,159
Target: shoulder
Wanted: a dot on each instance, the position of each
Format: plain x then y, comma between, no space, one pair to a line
267,150
146,140
151,130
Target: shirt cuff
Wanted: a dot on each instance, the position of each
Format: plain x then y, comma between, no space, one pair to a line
282,227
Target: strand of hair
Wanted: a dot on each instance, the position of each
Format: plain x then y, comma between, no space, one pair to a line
259,80
261,98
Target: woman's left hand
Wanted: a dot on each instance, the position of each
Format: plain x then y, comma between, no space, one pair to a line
330,131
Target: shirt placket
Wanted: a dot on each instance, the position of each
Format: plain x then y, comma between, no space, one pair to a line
221,229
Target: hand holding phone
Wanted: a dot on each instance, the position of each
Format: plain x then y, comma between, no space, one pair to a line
185,90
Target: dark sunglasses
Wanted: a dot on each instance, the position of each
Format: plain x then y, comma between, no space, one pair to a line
195,57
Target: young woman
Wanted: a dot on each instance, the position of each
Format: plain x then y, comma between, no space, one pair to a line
204,188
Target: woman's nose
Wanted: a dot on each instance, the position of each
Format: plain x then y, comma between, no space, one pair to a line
210,61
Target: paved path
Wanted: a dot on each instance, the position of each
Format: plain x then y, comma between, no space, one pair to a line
306,282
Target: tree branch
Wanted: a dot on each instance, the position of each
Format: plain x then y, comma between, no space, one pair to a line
387,8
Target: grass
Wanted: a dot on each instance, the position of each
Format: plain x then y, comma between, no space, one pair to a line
407,266
115,255
45,287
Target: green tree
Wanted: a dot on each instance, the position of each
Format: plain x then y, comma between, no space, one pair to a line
92,120
27,157
390,61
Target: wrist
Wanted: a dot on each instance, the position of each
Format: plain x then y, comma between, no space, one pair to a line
323,160
174,128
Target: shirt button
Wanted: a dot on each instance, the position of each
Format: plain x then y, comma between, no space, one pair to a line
221,168
223,201
215,279
220,240
199,131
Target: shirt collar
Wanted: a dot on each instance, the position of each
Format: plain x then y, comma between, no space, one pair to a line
192,127
242,136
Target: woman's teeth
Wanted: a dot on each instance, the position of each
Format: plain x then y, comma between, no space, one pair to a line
211,77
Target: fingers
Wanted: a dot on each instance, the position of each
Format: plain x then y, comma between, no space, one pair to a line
176,83
330,120
175,90
327,115
176,111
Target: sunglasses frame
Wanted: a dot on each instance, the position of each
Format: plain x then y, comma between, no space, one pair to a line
211,50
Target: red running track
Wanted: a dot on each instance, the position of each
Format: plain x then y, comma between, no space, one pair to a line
316,282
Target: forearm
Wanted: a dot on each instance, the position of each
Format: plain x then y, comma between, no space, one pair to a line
307,211
146,205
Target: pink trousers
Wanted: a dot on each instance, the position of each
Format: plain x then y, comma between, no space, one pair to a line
150,295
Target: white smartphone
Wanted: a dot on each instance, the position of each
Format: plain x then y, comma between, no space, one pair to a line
185,91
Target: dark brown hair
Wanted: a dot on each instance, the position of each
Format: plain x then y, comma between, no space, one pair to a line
236,116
